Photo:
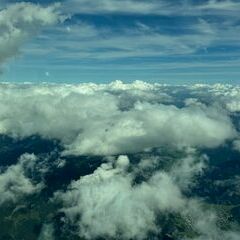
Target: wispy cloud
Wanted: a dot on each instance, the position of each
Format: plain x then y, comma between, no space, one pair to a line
85,41
108,129
155,7
114,6
124,34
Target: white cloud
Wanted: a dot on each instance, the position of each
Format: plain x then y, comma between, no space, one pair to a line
154,7
20,21
124,197
86,41
47,232
80,41
108,119
226,94
109,204
184,170
226,5
14,183
147,126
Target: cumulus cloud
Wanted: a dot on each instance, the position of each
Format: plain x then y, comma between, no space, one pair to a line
225,94
109,204
147,126
20,21
139,40
158,7
14,182
91,119
152,141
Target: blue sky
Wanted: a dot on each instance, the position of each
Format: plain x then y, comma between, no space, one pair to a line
175,42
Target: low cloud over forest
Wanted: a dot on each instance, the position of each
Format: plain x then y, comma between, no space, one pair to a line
121,161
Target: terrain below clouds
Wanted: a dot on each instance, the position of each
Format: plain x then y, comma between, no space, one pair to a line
119,161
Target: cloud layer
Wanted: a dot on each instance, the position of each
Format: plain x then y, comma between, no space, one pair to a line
122,161
92,119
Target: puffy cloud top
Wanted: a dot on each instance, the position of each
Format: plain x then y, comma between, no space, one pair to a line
93,119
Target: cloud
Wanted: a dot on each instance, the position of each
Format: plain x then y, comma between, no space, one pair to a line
140,38
226,5
226,94
91,119
154,7
21,21
14,182
110,204
84,40
147,126
236,145
152,139
114,6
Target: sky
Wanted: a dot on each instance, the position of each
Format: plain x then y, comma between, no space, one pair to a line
75,41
